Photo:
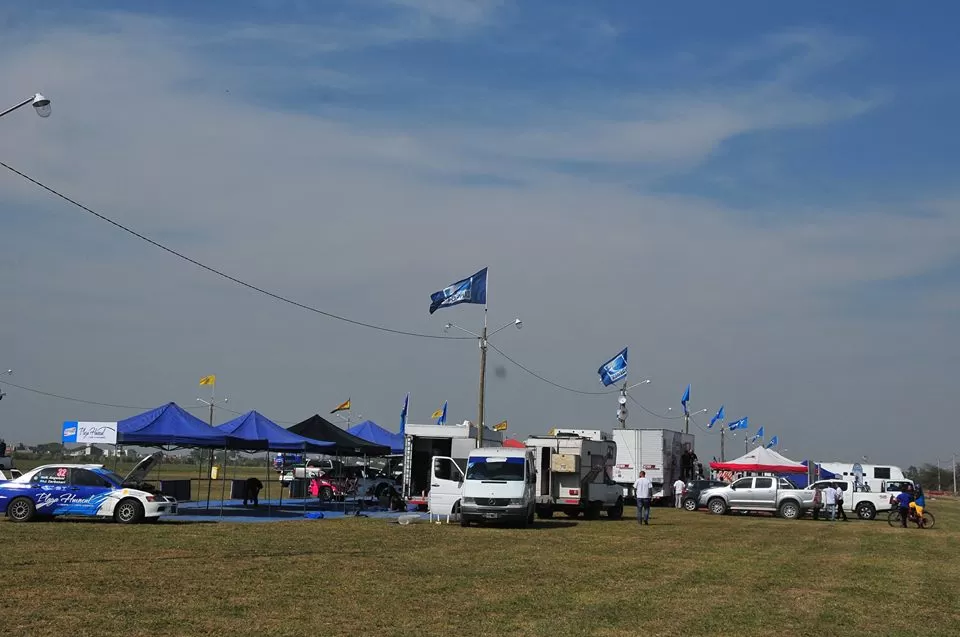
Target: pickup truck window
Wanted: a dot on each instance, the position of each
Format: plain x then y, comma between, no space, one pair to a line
742,483
764,483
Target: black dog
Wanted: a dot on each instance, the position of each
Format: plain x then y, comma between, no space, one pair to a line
252,491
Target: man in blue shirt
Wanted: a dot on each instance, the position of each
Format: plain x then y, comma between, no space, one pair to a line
904,498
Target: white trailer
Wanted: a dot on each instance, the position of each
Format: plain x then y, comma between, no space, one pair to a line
877,478
435,456
573,476
658,452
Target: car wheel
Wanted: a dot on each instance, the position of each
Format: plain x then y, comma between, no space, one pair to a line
128,511
326,494
717,506
866,511
690,504
790,510
616,511
21,509
593,511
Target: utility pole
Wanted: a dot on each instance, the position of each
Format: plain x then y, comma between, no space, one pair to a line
622,409
939,478
686,421
483,376
954,473
722,432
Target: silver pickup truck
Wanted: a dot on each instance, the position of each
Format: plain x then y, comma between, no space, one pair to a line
760,493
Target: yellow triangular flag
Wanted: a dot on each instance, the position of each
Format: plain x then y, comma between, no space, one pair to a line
500,426
344,406
209,380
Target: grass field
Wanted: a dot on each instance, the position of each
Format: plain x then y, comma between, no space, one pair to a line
685,574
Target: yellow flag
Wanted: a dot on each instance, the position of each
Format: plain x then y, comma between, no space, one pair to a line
209,380
437,413
344,406
500,426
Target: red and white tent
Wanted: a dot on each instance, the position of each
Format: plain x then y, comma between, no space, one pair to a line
760,460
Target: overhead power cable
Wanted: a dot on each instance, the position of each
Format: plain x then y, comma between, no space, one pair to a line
76,400
547,380
652,413
221,273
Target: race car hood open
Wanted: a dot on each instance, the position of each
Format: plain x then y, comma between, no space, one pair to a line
138,475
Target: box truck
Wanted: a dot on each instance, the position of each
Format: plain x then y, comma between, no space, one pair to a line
659,452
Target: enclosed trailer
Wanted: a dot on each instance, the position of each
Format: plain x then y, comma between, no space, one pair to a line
658,452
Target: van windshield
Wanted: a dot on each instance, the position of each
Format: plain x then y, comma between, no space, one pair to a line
508,469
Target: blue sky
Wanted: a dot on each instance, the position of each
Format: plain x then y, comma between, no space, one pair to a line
756,198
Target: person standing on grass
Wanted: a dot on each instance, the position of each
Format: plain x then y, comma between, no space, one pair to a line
840,511
830,499
643,489
817,502
678,492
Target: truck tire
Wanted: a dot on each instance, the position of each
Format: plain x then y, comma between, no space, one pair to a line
530,515
866,511
616,511
790,510
544,513
717,506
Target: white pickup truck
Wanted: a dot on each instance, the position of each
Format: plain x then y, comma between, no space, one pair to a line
865,504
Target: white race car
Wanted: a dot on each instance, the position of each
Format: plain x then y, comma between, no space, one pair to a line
88,490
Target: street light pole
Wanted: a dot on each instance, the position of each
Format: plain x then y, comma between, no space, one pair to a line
622,410
212,402
40,103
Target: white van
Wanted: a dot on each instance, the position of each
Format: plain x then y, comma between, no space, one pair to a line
499,486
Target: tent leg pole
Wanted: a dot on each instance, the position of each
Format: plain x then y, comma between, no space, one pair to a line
213,458
267,483
223,484
199,475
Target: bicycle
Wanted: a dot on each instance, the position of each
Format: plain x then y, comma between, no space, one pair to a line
894,519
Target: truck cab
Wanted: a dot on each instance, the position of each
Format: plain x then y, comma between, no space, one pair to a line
499,485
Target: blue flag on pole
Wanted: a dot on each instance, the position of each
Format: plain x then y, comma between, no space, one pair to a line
443,416
403,414
685,400
470,290
719,416
743,423
757,436
773,442
614,369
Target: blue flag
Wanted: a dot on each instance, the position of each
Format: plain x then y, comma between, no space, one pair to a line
719,416
443,416
773,442
403,414
757,436
685,400
614,369
469,290
743,423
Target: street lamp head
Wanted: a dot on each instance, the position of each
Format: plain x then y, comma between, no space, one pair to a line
447,327
518,323
42,105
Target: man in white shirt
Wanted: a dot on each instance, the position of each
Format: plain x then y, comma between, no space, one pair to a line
830,499
678,492
643,489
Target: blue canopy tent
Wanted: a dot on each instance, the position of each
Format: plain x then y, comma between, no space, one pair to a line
169,425
255,432
369,430
801,479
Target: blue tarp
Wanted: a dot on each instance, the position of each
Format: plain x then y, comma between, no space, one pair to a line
168,425
253,431
801,481
369,430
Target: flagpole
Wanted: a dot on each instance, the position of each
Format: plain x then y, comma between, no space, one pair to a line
722,431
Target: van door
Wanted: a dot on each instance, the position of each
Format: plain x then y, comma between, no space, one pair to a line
446,483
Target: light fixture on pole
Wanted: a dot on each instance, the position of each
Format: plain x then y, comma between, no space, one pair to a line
482,339
40,103
9,372
622,411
